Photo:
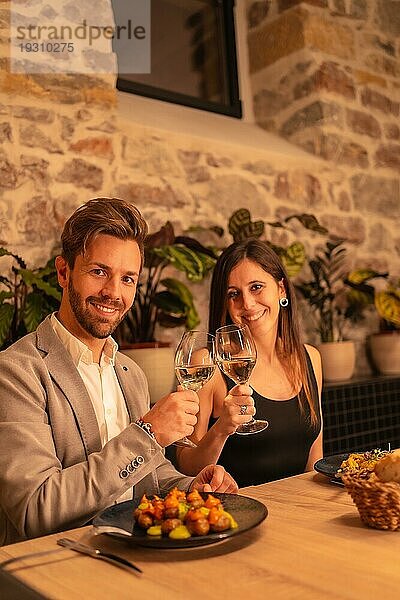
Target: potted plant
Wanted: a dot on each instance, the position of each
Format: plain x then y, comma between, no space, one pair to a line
384,345
26,297
163,301
241,227
332,306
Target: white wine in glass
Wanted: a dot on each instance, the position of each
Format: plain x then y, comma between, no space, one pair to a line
194,365
236,355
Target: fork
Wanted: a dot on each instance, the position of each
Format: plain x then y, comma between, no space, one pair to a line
97,553
78,547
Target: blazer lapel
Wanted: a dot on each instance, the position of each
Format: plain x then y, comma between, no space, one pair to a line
64,373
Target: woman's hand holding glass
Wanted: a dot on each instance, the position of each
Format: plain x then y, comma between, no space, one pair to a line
236,355
232,413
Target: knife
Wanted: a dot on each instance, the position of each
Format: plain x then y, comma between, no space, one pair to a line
96,553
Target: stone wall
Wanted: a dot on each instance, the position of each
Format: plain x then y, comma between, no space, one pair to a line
334,97
326,76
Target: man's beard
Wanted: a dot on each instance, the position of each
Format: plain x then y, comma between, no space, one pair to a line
96,326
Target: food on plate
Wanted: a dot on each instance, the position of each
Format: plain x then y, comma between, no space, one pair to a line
361,463
388,468
180,515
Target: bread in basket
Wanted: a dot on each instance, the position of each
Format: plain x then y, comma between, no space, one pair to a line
377,495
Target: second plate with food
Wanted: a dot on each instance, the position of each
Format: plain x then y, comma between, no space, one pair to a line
330,464
247,512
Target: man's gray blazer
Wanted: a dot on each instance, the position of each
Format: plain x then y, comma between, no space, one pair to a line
54,474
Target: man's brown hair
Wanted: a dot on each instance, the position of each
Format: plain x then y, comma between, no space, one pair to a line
107,216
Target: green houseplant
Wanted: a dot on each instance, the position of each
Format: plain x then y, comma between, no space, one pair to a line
166,301
241,226
334,304
26,297
384,345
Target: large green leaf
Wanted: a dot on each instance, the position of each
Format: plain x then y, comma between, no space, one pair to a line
184,260
33,311
182,291
309,222
6,317
169,302
32,279
294,258
241,226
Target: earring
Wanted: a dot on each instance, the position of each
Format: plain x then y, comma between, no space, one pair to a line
284,302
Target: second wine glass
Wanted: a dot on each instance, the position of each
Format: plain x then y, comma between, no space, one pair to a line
194,364
236,355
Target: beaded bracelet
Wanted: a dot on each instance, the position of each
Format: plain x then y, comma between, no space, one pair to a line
146,427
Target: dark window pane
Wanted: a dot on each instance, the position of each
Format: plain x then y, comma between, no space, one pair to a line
193,56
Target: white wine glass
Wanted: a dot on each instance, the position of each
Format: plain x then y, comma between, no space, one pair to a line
236,356
194,365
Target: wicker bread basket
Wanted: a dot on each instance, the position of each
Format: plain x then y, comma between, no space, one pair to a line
378,502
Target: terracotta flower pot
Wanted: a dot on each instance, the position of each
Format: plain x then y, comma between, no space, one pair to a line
338,360
157,362
385,352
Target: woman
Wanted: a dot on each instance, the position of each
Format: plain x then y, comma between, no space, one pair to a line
250,286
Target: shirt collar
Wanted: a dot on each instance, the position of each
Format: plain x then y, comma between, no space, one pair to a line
78,350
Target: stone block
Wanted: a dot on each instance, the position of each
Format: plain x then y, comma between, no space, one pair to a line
377,195
218,161
257,12
188,158
329,36
374,99
274,40
100,147
366,77
144,195
33,137
388,16
268,103
81,174
197,174
329,77
35,168
392,131
375,41
363,123
8,174
383,65
259,167
286,4
318,113
227,191
333,147
67,128
299,187
346,227
353,9
5,132
388,156
38,115
35,220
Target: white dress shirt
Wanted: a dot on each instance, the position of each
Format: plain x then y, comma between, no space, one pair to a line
101,383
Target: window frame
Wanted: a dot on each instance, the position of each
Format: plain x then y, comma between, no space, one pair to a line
234,106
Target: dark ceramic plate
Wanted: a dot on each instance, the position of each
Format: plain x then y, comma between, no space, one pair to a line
247,512
330,464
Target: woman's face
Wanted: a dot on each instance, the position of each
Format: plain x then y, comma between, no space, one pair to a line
253,297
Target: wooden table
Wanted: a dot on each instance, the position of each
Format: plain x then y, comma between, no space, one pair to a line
311,546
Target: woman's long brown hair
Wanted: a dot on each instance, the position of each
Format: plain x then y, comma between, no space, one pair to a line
289,345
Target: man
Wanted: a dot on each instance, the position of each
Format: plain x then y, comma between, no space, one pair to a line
76,432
